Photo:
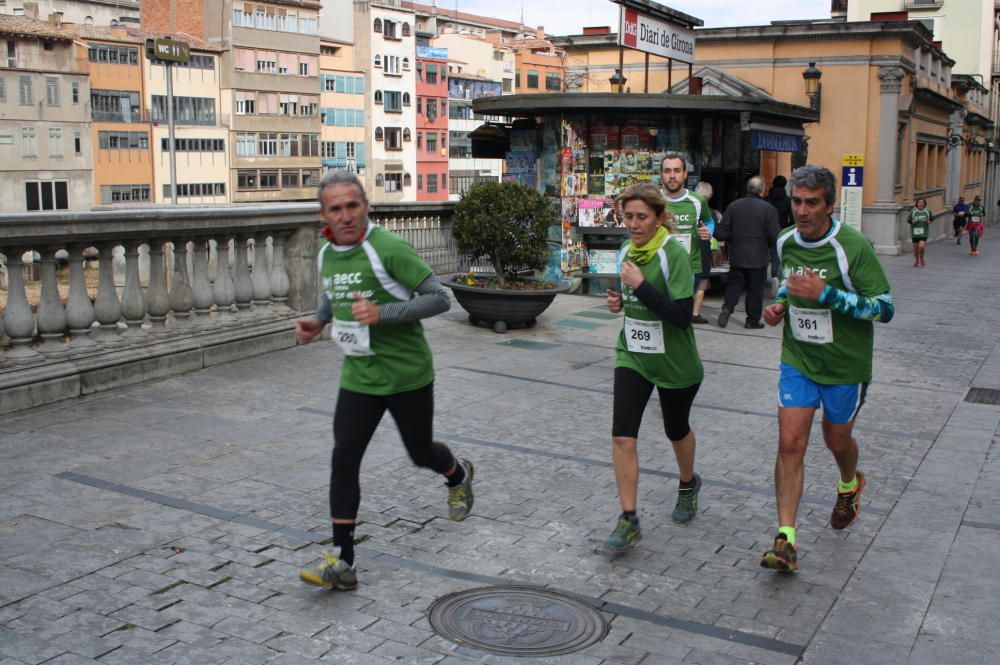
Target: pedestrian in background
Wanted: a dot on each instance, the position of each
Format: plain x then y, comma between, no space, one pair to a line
959,212
705,190
919,221
750,228
974,225
778,197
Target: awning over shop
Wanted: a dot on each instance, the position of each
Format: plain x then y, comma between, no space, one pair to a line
761,139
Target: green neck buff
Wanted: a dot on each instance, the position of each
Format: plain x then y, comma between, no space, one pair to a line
642,255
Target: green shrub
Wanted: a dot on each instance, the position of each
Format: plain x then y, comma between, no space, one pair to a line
507,223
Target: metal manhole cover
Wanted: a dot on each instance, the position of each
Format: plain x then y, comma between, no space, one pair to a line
983,396
517,621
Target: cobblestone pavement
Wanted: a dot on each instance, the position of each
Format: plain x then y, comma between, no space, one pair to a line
167,523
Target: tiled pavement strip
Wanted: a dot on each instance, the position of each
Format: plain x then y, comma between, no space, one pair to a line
167,523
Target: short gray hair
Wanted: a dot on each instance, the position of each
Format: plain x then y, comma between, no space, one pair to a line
677,154
755,185
705,189
341,178
815,177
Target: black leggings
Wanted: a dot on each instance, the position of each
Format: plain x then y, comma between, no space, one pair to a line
632,392
974,237
354,422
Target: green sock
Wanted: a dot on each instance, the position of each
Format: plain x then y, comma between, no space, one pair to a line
788,532
848,487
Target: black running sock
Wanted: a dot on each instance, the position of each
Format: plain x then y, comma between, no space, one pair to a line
457,477
631,516
343,537
687,485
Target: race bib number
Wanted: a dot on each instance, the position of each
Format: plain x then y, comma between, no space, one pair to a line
918,230
976,219
814,326
644,336
685,239
353,338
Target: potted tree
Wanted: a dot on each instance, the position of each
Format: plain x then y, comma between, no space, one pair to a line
508,224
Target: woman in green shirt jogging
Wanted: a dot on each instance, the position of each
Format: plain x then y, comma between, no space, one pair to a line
656,348
919,221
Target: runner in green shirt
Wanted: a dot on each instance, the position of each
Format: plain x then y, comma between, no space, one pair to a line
833,289
656,348
920,223
690,210
375,290
977,218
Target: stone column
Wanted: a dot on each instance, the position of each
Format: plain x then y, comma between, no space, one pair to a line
107,307
181,297
223,288
79,309
133,304
956,126
244,285
157,299
19,319
260,278
279,278
201,291
50,316
881,221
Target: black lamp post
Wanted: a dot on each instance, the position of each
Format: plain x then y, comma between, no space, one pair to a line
814,88
618,82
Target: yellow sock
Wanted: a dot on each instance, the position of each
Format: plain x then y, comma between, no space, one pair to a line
788,532
848,487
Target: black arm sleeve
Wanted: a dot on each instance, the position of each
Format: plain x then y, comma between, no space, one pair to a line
675,312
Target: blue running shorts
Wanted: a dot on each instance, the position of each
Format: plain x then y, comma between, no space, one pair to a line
841,402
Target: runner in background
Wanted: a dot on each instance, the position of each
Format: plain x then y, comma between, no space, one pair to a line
920,222
976,217
704,190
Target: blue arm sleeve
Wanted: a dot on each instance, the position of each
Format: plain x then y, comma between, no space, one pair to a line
871,308
782,295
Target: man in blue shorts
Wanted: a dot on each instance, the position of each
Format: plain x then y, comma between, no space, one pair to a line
833,289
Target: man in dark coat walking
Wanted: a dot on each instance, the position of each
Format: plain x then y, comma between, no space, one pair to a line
750,228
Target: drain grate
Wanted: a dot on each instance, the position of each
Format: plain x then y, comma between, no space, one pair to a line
983,396
517,621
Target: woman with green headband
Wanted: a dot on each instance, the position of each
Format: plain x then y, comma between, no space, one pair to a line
656,348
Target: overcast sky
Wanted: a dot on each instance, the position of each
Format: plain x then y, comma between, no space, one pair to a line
568,17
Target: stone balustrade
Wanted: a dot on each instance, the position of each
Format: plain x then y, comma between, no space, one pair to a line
200,286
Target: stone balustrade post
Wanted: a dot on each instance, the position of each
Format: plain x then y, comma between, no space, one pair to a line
223,288
79,309
279,277
181,297
244,285
133,303
157,298
19,320
107,307
50,317
260,278
201,291
303,276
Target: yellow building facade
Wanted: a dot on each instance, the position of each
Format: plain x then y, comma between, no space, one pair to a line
887,93
342,109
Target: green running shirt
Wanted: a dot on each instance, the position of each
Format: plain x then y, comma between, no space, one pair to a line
921,224
679,366
385,269
825,345
688,209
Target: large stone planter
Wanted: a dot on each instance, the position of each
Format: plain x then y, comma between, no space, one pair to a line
501,308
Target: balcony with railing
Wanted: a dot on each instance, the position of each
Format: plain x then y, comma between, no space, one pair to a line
99,300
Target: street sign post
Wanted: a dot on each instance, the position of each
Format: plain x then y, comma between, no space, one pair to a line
852,182
167,51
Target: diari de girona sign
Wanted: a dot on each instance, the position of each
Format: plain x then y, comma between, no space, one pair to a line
655,36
